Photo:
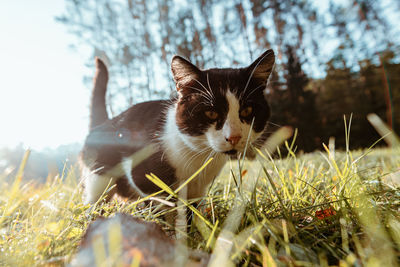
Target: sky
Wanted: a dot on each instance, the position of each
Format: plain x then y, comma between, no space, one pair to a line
43,101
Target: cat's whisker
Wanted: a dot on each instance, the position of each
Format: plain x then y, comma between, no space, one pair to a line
211,95
210,155
195,156
254,69
207,101
189,160
188,164
209,87
202,93
270,122
200,84
254,90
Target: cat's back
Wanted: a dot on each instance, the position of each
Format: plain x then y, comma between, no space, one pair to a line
146,116
130,131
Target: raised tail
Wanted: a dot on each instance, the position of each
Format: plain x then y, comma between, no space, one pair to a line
98,110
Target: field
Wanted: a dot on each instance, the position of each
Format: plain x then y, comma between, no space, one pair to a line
324,208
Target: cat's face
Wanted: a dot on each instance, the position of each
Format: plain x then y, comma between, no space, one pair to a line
222,109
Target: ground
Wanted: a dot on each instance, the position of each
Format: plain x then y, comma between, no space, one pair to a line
325,208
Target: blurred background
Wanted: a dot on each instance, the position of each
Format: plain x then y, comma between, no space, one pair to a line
334,58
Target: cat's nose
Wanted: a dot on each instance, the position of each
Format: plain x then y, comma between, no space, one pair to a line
233,140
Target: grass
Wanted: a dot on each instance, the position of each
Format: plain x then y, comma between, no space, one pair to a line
324,208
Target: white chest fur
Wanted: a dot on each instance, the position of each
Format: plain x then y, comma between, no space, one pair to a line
187,154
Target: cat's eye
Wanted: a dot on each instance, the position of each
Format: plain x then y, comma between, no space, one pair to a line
246,112
211,114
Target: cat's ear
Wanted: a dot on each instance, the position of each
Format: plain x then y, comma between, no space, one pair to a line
261,68
183,72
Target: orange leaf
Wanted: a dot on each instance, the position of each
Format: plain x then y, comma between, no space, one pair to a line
325,213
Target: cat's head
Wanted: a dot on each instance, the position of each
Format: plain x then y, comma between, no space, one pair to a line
222,108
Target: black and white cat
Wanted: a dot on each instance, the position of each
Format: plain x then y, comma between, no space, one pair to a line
216,113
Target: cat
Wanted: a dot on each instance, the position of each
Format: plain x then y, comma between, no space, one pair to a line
215,114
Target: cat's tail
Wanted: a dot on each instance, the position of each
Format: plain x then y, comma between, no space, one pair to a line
98,110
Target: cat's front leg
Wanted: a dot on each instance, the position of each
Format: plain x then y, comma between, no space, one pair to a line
96,186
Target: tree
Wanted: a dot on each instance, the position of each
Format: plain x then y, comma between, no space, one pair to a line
312,40
295,105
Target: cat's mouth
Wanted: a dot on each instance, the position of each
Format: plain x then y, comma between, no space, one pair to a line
231,152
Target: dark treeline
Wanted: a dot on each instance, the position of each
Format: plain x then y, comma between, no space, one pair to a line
316,106
334,58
